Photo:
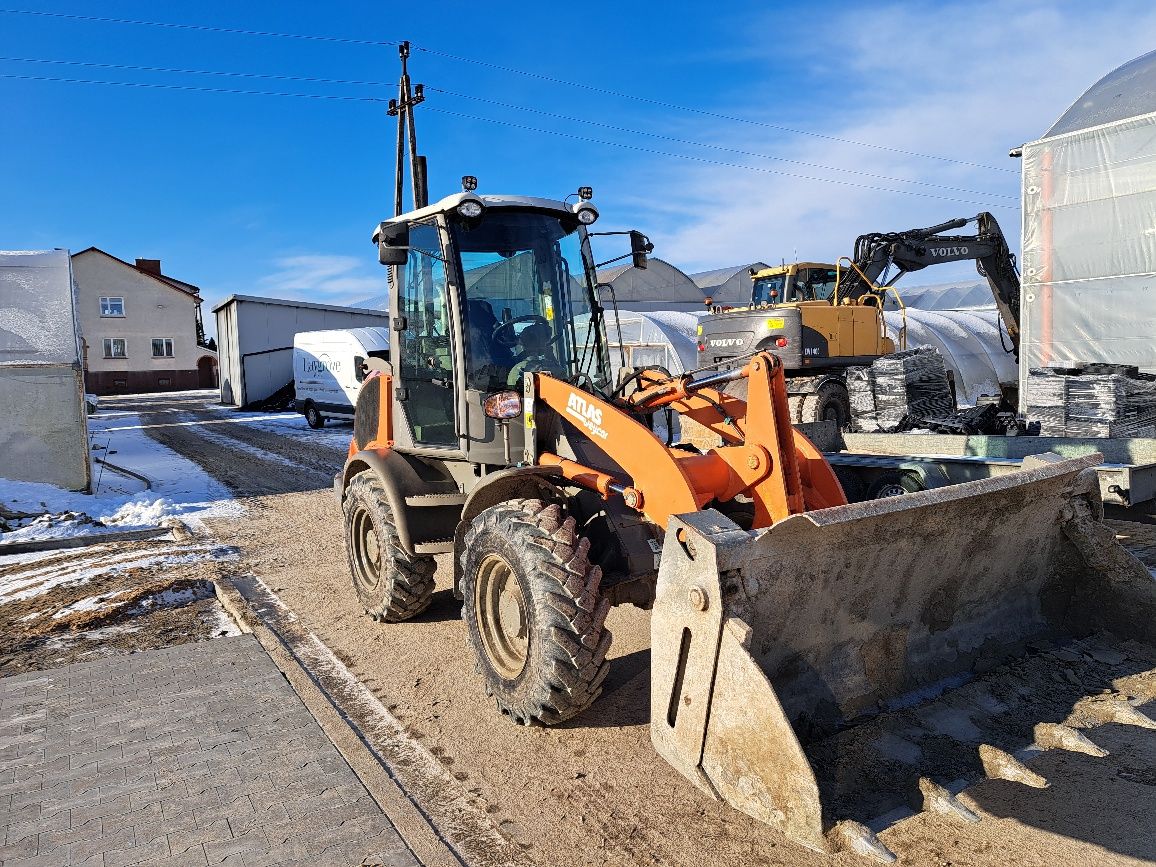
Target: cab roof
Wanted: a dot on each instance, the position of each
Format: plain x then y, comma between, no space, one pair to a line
495,201
783,269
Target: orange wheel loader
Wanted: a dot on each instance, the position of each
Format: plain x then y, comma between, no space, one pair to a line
786,623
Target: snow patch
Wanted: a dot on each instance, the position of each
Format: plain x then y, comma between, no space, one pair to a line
89,603
179,488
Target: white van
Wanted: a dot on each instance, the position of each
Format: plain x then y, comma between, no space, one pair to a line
328,367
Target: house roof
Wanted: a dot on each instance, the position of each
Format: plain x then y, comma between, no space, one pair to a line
171,282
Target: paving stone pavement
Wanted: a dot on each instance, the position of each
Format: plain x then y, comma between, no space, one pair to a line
196,754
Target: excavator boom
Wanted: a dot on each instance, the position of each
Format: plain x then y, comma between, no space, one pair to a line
915,249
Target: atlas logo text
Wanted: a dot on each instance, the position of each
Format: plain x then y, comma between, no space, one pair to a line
587,414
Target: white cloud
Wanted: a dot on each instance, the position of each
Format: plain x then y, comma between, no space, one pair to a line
327,279
964,80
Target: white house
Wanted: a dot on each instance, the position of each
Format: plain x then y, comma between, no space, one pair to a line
142,328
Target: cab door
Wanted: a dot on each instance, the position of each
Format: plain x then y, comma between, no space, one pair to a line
423,342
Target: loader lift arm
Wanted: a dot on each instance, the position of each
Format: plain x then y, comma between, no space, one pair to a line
916,249
781,471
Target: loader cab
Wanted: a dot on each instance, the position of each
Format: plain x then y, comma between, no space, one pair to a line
484,290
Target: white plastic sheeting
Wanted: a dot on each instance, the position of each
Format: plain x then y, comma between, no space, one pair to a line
662,338
968,340
43,427
944,296
728,286
659,286
37,315
1089,229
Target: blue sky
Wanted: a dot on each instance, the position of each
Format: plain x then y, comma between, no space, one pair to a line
277,195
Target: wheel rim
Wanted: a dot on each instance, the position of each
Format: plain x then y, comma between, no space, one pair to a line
366,550
502,617
892,490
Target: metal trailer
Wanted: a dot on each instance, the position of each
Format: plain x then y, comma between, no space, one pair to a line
882,464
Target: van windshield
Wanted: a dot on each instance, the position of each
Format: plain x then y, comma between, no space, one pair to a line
529,285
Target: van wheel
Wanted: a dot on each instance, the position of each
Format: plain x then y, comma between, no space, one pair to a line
391,585
893,484
534,612
314,418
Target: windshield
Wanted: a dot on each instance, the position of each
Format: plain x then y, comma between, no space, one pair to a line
528,300
768,290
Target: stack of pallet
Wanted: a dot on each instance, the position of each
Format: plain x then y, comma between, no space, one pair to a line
1085,402
899,390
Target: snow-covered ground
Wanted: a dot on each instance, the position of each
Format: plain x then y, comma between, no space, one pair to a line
179,488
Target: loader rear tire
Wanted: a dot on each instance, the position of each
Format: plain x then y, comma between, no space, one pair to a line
391,585
534,613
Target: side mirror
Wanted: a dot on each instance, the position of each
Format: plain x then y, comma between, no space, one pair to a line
359,368
639,246
392,243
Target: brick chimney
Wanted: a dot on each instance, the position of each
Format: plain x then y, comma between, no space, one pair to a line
149,266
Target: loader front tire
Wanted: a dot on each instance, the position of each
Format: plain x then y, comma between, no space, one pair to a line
534,613
391,585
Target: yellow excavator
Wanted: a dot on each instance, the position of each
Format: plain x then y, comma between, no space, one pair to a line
819,319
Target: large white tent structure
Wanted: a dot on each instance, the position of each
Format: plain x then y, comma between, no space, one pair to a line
729,286
659,286
1089,249
43,426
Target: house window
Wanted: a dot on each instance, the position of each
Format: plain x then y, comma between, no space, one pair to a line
162,347
115,347
111,306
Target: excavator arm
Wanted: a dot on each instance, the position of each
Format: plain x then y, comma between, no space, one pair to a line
915,249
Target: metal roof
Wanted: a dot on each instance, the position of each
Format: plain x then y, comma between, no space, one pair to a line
494,201
285,302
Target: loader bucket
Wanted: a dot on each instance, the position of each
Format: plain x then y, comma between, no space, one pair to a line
832,667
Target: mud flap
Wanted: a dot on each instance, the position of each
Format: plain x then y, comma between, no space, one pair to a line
760,639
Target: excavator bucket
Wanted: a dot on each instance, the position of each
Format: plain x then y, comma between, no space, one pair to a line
851,662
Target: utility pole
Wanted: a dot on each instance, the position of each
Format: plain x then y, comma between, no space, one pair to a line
402,109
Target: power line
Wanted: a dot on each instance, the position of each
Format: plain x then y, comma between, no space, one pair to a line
194,88
512,124
704,160
507,69
556,115
709,145
203,28
169,69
